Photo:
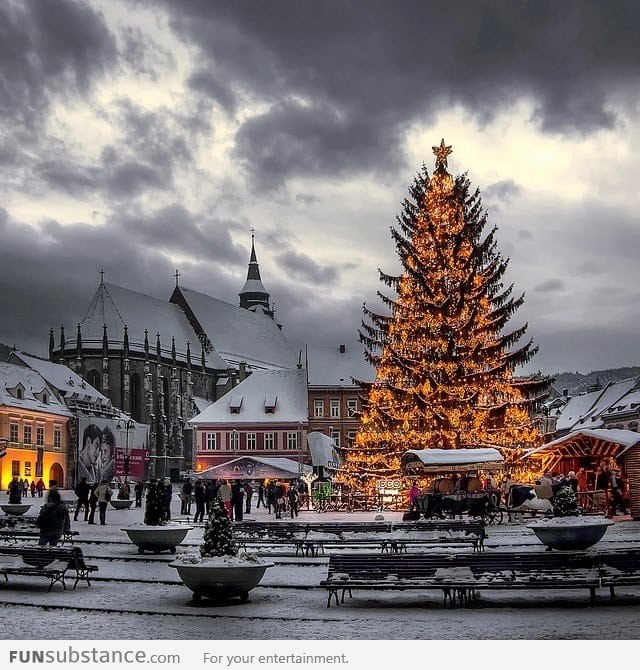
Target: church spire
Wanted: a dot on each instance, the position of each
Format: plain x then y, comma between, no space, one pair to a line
254,296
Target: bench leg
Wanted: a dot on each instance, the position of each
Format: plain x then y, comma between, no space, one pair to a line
343,594
57,578
612,592
592,595
81,574
333,593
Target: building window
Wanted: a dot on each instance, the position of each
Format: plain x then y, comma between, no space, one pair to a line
13,432
235,440
27,468
318,408
351,437
26,431
335,408
19,393
292,441
15,468
335,436
211,443
269,441
252,442
352,406
57,438
40,436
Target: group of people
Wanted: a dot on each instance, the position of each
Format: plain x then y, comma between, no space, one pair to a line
20,488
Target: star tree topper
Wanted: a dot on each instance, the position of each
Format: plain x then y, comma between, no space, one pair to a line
441,152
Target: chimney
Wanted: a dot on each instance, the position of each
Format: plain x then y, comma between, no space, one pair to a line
242,373
343,348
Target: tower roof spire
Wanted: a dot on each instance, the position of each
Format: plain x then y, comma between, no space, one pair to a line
254,296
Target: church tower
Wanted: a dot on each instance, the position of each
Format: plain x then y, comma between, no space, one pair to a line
254,296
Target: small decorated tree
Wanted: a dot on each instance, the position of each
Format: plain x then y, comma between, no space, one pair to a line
565,502
155,514
218,533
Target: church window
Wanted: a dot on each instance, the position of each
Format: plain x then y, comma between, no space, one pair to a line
335,409
211,443
292,441
318,408
19,393
40,436
252,441
26,434
13,432
268,441
93,377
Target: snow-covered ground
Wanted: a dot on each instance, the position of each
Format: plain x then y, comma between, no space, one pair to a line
140,597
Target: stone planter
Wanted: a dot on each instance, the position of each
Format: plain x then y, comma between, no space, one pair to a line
218,581
121,504
157,538
570,533
15,509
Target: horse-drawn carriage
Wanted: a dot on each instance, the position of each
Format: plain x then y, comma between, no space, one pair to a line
454,486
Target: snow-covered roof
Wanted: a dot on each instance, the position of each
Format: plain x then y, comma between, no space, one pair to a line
625,438
240,334
247,467
249,397
201,403
63,379
33,388
435,459
253,286
586,410
628,403
116,307
331,366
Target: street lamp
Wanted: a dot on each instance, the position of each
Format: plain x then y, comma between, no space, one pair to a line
130,424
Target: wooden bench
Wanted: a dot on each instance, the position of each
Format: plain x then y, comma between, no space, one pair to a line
460,576
15,534
620,569
50,562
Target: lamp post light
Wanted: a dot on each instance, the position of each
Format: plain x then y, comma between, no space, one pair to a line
125,427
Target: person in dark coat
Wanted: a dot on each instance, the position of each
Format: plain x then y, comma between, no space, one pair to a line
271,497
15,491
53,520
248,494
82,490
200,499
93,503
294,500
210,494
237,498
279,503
260,495
139,490
168,494
187,490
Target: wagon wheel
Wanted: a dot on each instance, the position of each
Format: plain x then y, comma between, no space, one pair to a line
493,516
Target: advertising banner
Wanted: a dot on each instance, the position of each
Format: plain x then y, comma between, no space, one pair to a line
108,450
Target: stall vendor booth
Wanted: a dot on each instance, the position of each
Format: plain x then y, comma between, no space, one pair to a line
255,468
583,451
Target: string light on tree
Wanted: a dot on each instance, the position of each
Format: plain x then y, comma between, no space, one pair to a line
444,361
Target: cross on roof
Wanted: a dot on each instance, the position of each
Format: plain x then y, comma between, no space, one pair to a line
102,276
177,276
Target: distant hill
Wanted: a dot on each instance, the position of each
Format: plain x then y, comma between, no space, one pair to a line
577,382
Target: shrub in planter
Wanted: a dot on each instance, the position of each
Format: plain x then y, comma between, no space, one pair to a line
155,512
565,502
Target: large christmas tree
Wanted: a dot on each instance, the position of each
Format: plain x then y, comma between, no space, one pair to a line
445,364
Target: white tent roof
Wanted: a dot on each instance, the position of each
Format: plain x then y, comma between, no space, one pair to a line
625,438
254,467
438,459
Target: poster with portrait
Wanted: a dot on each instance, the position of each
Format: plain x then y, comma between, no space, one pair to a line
111,449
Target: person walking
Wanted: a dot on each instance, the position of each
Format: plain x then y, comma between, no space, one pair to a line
280,500
260,495
103,494
53,520
210,494
32,488
271,497
40,487
248,494
15,491
168,495
199,496
185,497
294,500
82,490
138,490
237,498
93,502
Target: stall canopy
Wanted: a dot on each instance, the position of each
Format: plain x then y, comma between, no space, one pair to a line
323,451
253,467
602,443
419,461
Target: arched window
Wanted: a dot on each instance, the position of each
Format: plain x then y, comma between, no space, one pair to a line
136,397
93,377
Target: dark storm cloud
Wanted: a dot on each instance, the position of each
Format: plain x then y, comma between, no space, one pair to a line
203,81
302,267
142,54
343,81
550,286
501,190
48,49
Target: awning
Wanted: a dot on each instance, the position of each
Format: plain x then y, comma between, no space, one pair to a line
600,443
418,461
253,467
323,451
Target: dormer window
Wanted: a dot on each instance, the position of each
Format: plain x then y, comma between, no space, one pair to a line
45,398
270,402
235,404
19,393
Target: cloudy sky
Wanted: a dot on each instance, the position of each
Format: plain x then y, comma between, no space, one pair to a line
145,136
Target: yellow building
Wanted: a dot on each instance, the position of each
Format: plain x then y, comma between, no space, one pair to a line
33,428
